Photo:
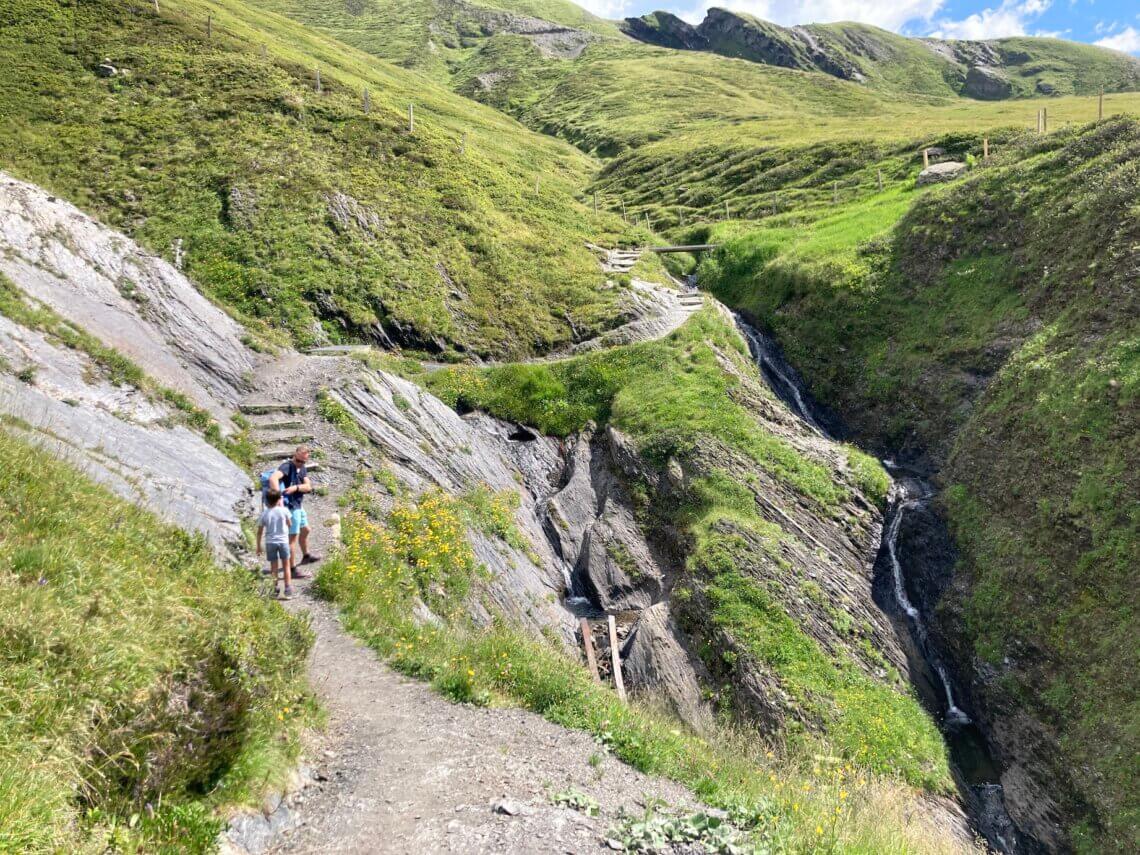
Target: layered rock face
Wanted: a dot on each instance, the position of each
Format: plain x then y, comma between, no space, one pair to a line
96,281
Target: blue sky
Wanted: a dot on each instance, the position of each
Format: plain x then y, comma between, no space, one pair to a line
1111,23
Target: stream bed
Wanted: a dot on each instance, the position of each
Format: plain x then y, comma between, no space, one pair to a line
899,575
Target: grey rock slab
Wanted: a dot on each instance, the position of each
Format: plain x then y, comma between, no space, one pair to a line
130,300
938,172
172,471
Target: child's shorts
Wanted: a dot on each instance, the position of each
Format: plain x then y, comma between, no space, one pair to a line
277,551
299,520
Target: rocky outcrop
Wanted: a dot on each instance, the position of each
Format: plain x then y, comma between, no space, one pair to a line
939,172
655,661
666,30
132,301
986,84
426,444
63,397
733,34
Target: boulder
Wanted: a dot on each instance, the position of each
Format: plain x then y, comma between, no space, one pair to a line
1046,88
938,172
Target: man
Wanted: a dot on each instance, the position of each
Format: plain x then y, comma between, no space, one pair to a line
292,480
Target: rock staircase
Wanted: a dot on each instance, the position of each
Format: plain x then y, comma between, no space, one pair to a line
620,260
278,428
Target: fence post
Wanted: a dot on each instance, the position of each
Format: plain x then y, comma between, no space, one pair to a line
536,179
624,216
648,225
588,643
177,247
1099,102
1038,121
156,11
925,158
1044,120
209,27
880,181
615,655
727,215
595,211
318,86
411,118
985,148
463,144
834,192
367,101
264,51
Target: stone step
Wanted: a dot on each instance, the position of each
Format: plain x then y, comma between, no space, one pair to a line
284,437
260,407
276,421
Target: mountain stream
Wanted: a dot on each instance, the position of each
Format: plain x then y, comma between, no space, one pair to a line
896,577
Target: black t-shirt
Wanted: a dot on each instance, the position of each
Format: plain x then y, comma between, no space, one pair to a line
292,475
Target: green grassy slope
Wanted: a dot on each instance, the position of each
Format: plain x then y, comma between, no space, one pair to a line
140,685
995,327
683,398
297,208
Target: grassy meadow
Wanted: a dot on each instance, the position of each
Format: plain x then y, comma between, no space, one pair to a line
142,687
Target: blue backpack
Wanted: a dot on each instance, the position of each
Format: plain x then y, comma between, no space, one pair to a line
286,481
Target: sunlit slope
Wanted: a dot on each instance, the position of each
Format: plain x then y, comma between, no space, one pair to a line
296,209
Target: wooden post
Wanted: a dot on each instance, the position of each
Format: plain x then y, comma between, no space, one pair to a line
880,181
727,216
647,223
536,178
1044,120
588,643
209,27
463,144
595,203
925,158
318,78
264,51
411,118
156,10
834,192
1099,102
985,148
615,655
1038,121
367,101
623,214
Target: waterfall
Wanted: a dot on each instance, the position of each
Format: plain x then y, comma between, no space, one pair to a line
781,378
954,715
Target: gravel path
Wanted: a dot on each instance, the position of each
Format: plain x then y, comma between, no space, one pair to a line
400,768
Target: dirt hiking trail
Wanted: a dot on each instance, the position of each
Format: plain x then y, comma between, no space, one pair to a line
399,768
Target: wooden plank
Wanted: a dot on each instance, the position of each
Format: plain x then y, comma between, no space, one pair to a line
615,657
696,247
588,643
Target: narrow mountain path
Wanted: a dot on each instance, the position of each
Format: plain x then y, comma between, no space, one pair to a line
399,768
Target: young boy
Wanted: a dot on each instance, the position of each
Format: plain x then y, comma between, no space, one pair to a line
274,524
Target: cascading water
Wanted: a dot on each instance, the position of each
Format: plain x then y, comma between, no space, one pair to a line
780,376
973,764
903,503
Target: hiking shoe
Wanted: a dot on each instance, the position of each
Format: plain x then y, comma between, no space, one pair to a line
288,595
310,558
298,573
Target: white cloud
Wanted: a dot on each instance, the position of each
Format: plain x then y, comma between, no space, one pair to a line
1127,40
612,9
889,15
1011,18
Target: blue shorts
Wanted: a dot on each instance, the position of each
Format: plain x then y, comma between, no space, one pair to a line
300,520
277,551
